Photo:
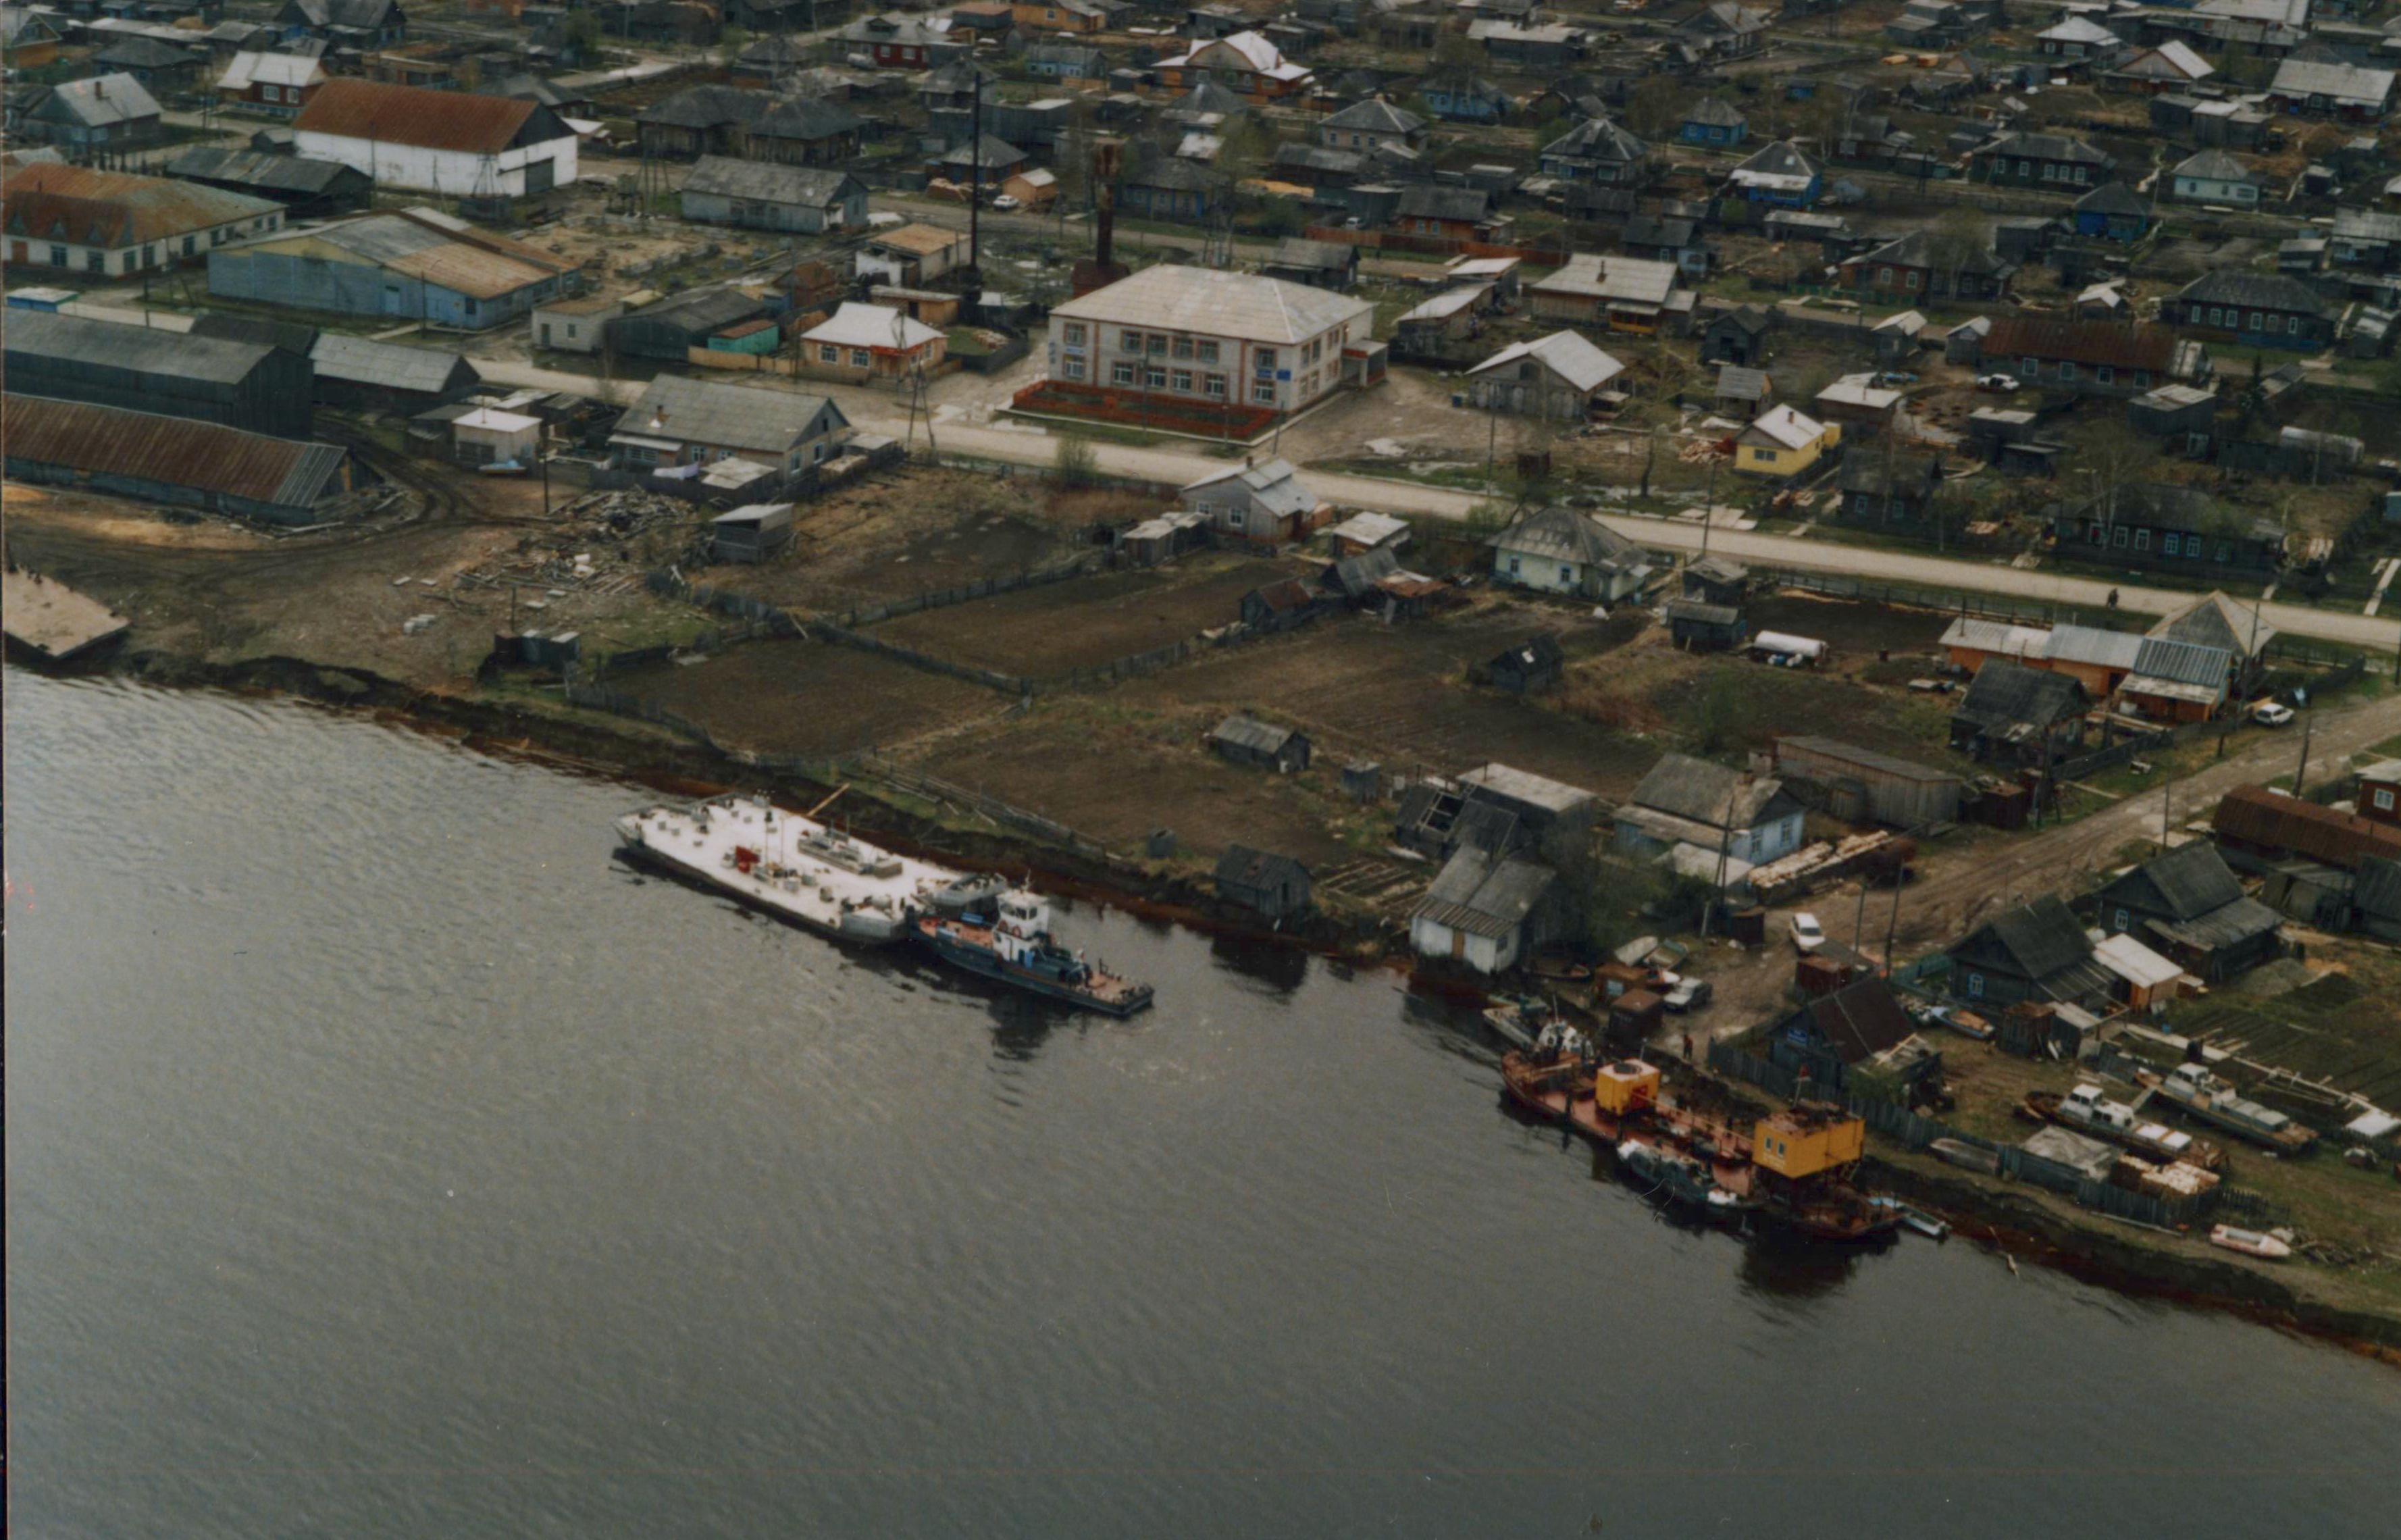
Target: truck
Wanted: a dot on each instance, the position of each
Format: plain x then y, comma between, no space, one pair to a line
2203,1095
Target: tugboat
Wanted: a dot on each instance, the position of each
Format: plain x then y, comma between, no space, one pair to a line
1802,1159
1014,946
1686,1181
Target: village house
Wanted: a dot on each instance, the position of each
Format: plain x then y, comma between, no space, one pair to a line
1551,46
1274,886
275,85
2076,38
2379,791
1596,150
2149,525
1170,188
1454,214
2213,176
1665,238
161,67
2169,67
2112,212
867,344
761,196
2035,951
2259,829
1884,490
2315,88
2094,357
1462,98
1075,16
360,25
1561,377
1244,63
2365,238
1783,443
1714,120
1739,336
1830,1037
2015,715
1779,175
2187,906
104,112
28,40
1916,265
1319,264
679,421
2041,160
911,256
892,42
1561,551
1623,294
1536,664
1372,124
577,326
2256,309
1266,506
99,224
1750,819
1211,338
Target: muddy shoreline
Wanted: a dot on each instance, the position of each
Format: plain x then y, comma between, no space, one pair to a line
2016,1225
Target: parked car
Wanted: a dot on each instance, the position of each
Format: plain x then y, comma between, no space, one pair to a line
1996,382
1004,202
2270,714
1688,995
1808,934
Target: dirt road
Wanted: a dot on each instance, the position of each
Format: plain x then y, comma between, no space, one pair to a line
1961,890
879,412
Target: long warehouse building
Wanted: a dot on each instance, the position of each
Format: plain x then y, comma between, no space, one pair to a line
172,460
252,385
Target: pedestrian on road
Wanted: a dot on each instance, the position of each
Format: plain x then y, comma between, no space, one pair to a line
2113,599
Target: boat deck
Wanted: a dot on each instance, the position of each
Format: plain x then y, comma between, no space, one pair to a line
784,872
1103,987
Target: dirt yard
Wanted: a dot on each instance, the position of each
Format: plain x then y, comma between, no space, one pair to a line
1055,628
811,699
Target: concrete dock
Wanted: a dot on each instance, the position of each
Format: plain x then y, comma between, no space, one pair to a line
52,619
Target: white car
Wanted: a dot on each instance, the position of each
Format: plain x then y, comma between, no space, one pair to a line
1688,995
2270,714
1004,202
1996,382
1808,934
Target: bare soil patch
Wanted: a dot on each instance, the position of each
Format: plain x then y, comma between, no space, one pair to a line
811,698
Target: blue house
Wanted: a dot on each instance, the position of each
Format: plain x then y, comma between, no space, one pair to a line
2112,212
1714,122
1469,98
1779,176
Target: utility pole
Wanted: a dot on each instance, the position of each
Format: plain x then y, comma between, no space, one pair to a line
2167,803
2301,774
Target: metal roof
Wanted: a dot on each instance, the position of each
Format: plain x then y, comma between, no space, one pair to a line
1616,279
765,181
1565,354
2336,81
445,253
2254,291
1251,733
1783,425
270,69
2230,923
2005,695
2214,620
427,119
50,199
1247,868
137,350
101,102
172,450
1482,895
1524,786
2043,938
858,325
2124,345
1211,302
286,173
360,361
736,417
2256,815
1561,534
1702,793
1376,116
1863,759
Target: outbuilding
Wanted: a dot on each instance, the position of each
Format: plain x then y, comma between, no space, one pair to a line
752,533
1277,886
1247,740
759,196
1535,664
1487,910
454,142
1863,785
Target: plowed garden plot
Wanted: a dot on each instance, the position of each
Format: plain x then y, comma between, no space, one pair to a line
809,698
1849,626
1053,629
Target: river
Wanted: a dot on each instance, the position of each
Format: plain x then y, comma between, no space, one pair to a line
385,1160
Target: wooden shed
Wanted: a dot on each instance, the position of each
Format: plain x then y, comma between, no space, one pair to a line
750,533
1247,740
1275,886
1865,786
1704,628
1535,664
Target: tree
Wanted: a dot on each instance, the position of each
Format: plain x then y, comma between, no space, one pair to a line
730,43
580,30
1715,712
1079,464
1951,242
2115,457
1654,109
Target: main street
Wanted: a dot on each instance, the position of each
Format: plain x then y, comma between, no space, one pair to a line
878,411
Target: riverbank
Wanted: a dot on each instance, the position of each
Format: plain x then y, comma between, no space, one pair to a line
2024,1223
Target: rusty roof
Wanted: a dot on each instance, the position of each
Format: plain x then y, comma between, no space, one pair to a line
2255,816
437,250
54,201
921,240
172,450
412,115
2117,344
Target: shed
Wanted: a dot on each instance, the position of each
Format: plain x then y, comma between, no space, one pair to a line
1697,626
1486,910
1280,606
750,533
1247,740
489,436
1275,886
1553,814
1879,786
1535,664
1846,1026
1717,580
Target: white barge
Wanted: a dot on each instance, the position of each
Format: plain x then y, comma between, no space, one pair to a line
793,867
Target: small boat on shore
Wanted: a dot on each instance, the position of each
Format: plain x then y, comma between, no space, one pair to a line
1011,943
1914,1219
2087,1109
1966,1157
784,864
2203,1095
2251,1243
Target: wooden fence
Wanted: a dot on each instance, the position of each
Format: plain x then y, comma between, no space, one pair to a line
1083,566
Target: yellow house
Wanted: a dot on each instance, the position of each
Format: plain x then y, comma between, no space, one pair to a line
1058,16
1783,443
1803,1141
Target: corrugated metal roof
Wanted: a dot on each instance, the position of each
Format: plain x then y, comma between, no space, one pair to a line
456,257
51,200
1565,354
2255,815
734,416
1862,759
765,182
858,325
101,102
140,349
173,450
270,69
2120,345
411,114
288,173
1211,302
360,361
1251,733
1524,786
1712,794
